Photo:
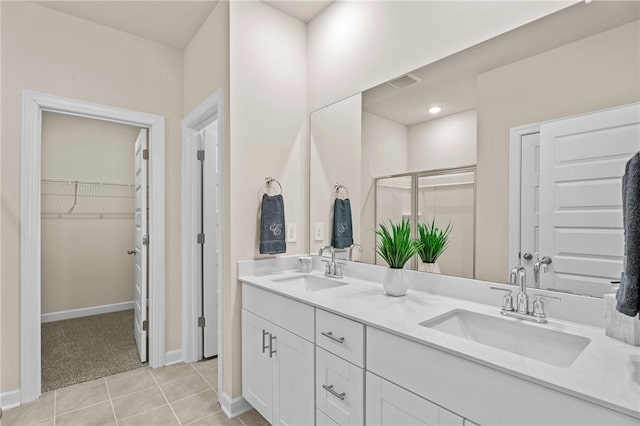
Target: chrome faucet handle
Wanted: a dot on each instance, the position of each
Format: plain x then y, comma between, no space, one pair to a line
337,269
540,264
507,300
538,306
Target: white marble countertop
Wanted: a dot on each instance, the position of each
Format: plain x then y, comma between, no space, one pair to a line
606,373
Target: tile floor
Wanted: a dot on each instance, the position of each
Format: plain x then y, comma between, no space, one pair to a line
181,394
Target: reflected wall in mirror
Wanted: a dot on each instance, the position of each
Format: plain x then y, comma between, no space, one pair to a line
508,107
335,152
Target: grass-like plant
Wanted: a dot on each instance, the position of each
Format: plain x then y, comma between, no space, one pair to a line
396,246
434,241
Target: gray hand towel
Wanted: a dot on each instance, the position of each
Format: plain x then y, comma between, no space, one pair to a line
272,229
342,225
628,301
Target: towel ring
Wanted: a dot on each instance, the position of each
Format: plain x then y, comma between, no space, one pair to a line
337,187
268,182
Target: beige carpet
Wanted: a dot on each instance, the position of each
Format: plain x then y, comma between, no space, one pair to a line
83,349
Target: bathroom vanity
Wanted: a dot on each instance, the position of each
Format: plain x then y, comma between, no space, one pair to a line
328,351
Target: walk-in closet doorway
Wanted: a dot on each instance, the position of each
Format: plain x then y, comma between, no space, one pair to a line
92,239
91,267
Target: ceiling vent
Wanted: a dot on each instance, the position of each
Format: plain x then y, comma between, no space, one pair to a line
404,81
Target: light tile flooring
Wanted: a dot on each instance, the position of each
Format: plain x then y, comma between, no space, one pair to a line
181,394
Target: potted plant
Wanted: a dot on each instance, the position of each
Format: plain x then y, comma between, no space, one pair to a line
396,247
434,241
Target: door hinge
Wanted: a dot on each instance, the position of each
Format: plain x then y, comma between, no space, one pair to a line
145,240
145,325
200,238
201,155
145,154
201,321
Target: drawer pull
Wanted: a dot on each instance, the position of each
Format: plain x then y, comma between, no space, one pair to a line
334,393
264,334
271,350
329,334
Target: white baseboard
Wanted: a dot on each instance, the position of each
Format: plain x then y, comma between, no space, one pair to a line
233,407
173,357
10,399
85,312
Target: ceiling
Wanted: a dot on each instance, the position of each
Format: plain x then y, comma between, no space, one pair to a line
304,10
451,82
173,23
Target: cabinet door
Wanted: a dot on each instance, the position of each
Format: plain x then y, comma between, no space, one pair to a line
257,370
390,405
339,389
293,373
323,420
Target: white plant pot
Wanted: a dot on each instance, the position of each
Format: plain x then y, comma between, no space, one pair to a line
433,268
394,283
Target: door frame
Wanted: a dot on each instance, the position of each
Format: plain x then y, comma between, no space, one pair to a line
515,170
33,104
209,110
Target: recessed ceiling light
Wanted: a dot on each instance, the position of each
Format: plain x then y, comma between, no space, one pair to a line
435,109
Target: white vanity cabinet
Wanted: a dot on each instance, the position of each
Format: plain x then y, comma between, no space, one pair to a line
303,365
278,357
390,405
475,391
339,369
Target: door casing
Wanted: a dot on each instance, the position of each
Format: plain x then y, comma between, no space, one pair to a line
211,109
33,104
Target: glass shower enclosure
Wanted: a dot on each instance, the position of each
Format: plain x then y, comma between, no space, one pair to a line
446,196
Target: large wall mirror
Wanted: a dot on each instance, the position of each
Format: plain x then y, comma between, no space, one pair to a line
485,165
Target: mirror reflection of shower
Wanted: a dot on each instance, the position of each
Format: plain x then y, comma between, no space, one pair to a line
444,197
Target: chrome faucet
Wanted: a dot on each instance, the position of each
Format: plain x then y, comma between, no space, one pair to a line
351,248
333,269
518,277
541,263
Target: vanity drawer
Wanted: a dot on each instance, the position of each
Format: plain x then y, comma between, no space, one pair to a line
323,420
339,389
289,314
340,336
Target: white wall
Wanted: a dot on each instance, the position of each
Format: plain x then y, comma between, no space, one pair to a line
206,68
66,56
268,138
354,46
443,143
84,254
335,140
594,73
384,152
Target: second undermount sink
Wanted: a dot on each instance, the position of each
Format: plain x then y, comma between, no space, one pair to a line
311,282
536,342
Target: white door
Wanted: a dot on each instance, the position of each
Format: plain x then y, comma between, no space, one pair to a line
257,364
582,161
211,203
293,378
529,204
390,405
140,327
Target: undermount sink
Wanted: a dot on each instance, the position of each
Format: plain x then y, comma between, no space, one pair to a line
311,282
539,343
